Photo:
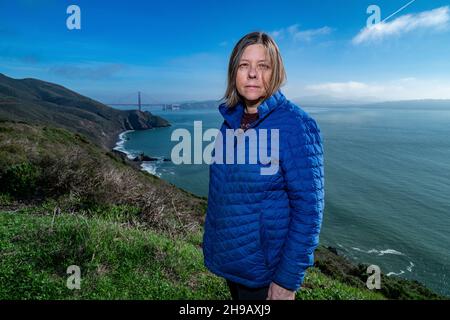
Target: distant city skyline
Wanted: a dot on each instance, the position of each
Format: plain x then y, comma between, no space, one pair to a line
177,51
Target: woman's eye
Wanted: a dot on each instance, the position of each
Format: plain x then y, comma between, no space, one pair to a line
260,66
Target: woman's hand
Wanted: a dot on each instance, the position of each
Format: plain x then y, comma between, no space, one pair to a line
279,293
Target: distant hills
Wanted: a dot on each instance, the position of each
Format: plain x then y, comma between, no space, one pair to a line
207,104
443,104
329,101
39,102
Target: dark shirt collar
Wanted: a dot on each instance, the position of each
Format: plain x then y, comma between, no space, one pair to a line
233,115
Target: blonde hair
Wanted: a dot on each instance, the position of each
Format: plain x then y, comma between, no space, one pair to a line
278,77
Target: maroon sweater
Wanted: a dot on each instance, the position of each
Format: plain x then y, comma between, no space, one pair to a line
248,119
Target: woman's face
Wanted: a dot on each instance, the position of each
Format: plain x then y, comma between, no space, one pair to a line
254,72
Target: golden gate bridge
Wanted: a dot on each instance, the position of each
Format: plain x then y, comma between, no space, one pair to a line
127,100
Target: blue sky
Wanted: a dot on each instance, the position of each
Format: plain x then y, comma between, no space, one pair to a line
178,50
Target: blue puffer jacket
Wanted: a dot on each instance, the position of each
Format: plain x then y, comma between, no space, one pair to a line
264,228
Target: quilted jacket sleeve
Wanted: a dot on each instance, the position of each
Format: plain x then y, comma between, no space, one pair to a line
303,170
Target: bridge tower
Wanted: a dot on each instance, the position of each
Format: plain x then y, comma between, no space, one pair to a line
139,100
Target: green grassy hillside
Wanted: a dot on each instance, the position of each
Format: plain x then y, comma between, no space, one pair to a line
39,102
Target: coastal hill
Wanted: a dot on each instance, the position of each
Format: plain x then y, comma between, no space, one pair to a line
208,104
40,102
333,102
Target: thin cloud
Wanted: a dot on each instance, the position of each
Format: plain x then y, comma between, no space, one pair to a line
338,87
95,72
395,89
295,34
436,19
24,57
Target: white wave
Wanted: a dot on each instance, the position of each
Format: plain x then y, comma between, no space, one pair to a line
151,167
411,265
380,252
167,171
120,145
385,252
122,138
408,268
131,154
390,251
395,273
147,166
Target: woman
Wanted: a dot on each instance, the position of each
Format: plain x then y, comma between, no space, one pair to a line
261,229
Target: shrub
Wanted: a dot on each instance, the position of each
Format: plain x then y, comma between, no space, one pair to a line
20,180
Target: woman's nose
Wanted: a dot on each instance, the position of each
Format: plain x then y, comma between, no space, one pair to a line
252,73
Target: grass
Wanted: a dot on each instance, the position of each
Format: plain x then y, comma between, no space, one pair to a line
117,261
318,286
5,199
41,162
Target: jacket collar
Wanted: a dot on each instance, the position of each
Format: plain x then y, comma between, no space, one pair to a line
233,115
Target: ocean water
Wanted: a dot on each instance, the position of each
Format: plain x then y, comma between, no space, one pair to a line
387,183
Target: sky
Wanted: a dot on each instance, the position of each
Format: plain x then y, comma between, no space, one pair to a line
176,51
